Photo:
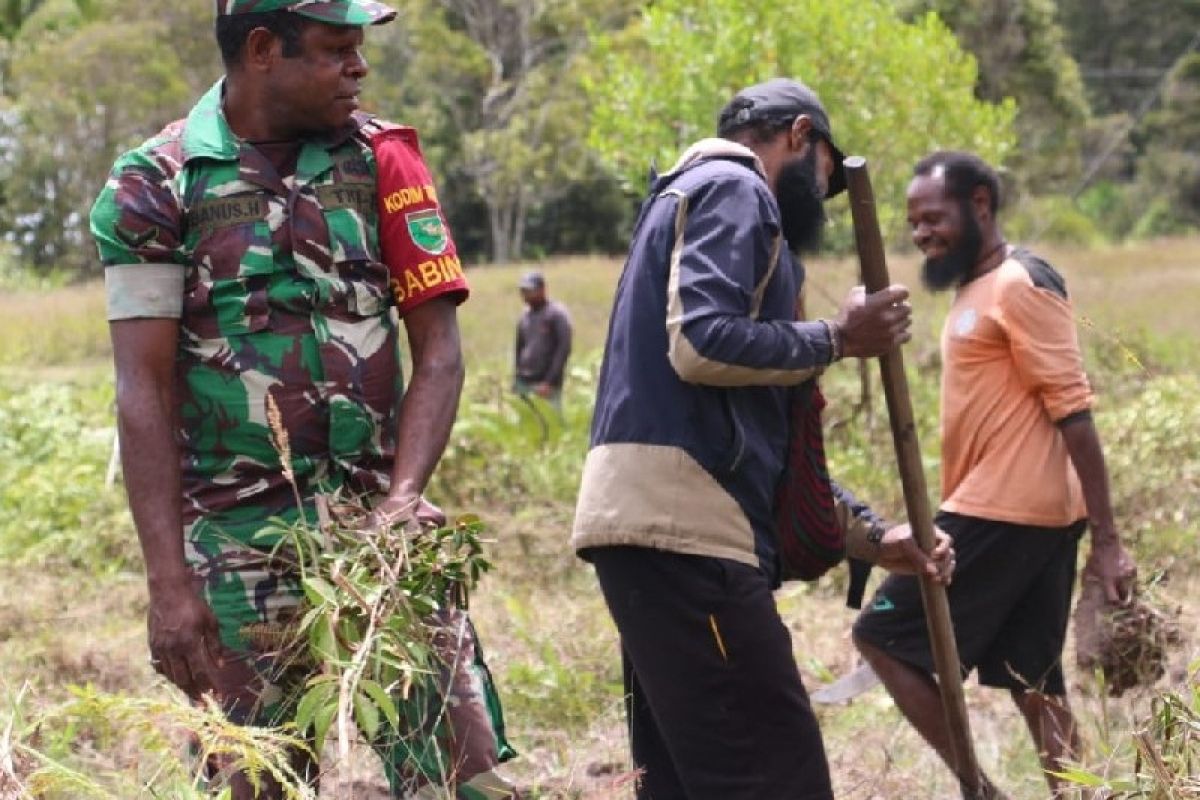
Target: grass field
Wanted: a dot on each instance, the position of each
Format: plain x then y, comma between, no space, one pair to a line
72,606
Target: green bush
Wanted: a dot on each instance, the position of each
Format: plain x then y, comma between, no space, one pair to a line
508,452
1052,218
1152,446
1111,206
55,443
1162,218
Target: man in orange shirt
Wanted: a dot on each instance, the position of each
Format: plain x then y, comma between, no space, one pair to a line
1022,472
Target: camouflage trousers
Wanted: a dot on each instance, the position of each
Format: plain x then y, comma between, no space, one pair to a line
453,735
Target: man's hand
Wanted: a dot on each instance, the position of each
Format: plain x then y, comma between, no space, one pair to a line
871,325
395,509
543,390
185,642
1110,563
900,553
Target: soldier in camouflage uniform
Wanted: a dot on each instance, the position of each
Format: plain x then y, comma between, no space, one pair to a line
247,257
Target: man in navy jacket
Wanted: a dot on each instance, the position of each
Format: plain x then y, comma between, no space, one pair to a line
689,440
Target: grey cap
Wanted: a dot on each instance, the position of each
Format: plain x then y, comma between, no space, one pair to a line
532,280
783,99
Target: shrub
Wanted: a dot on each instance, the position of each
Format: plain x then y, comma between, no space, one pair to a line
1052,218
55,443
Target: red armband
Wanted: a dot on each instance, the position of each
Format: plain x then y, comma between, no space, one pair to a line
417,248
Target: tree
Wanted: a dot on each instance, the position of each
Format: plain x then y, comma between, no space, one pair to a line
1169,172
1125,46
494,83
1022,53
894,90
90,78
74,112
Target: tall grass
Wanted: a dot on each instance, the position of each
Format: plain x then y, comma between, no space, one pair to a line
540,617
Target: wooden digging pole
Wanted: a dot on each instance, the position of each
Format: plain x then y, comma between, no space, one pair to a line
912,476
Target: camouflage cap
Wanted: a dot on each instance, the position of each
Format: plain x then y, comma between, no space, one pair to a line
333,12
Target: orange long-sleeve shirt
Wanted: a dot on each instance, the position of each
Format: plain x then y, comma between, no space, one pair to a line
1012,369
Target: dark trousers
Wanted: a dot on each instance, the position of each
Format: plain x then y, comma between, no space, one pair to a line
716,707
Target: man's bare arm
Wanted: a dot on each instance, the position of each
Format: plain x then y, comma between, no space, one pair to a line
183,632
1109,562
430,403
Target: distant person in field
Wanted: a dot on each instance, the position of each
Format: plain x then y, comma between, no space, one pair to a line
689,439
543,342
1023,473
256,256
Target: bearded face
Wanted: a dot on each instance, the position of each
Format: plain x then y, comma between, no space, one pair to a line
801,203
952,266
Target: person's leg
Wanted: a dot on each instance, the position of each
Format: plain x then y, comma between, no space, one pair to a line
915,693
1054,732
994,569
259,681
1027,656
451,739
714,667
917,696
658,779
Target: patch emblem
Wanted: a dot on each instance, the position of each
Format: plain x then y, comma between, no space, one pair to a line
135,239
966,322
427,231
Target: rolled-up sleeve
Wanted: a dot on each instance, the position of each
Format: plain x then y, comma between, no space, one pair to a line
722,258
1044,343
135,223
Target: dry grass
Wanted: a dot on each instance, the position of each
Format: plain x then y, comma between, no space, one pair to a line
540,616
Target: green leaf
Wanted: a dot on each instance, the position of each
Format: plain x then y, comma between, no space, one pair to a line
319,591
311,703
1081,777
321,722
383,700
366,714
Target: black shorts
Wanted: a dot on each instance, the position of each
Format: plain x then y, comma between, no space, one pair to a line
716,707
1009,603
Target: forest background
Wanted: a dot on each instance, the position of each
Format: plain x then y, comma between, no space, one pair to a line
542,118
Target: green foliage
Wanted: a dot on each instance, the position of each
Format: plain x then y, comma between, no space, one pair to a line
72,116
1022,54
567,677
55,442
1051,218
508,452
1169,170
369,622
16,277
500,95
1152,445
1112,206
1123,46
894,90
859,440
1158,760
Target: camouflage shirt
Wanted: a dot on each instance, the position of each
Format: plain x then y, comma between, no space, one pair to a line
281,292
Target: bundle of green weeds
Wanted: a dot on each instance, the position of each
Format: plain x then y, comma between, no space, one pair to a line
372,597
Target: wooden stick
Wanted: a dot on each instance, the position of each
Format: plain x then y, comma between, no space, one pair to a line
912,476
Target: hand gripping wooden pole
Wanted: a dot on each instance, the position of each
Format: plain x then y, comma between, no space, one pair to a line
912,476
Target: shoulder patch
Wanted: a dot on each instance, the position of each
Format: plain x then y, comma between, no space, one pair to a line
1042,274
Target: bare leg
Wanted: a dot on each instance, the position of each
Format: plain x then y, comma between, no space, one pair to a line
916,695
1054,732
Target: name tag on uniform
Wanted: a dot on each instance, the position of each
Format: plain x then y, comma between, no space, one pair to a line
227,212
358,197
353,169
